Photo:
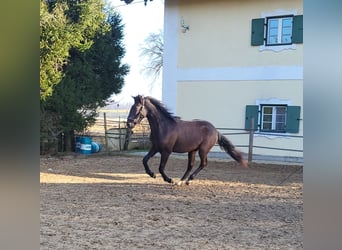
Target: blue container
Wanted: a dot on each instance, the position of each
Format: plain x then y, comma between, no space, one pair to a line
78,144
85,145
95,147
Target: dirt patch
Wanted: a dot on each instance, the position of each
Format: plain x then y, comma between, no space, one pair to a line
110,203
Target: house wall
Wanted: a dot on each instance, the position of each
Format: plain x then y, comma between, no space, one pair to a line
212,72
221,31
223,104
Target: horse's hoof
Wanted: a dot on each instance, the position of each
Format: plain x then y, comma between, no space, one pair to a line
170,181
153,175
188,183
180,183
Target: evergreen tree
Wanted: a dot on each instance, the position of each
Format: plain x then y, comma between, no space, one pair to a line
65,25
89,78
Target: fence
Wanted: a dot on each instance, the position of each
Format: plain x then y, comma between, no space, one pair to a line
251,144
113,134
251,135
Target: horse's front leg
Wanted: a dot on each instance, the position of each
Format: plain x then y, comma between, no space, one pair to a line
149,155
163,160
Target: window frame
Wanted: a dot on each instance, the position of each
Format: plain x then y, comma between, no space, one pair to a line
279,30
293,116
258,30
273,116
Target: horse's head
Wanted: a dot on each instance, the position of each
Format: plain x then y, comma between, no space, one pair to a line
137,112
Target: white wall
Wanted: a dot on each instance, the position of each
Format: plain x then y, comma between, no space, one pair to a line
212,72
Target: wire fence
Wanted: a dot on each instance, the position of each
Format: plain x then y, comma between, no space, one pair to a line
112,133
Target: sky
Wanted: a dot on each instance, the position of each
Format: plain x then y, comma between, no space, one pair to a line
139,21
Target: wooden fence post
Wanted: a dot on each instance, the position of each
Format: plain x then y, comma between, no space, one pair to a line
127,138
120,147
105,129
251,137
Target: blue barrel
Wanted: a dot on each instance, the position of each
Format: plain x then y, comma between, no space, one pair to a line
85,145
78,144
95,147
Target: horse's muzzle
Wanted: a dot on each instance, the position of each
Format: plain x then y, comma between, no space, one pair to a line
130,124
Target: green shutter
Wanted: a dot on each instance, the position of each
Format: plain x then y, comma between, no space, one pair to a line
292,119
297,29
251,111
257,35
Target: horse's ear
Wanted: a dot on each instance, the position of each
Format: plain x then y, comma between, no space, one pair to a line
141,99
136,99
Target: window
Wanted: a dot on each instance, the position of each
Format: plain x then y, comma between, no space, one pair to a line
277,30
273,118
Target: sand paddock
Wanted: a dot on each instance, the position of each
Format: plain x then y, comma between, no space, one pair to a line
108,202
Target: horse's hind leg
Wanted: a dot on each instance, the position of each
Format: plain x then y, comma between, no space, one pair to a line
204,162
149,155
191,161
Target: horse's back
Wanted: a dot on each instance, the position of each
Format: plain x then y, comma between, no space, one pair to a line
192,134
198,124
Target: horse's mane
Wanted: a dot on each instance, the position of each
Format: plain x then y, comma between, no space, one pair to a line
162,109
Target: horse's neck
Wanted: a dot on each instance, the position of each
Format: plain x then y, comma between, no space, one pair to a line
158,123
155,129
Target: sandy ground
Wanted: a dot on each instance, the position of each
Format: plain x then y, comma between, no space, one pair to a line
108,202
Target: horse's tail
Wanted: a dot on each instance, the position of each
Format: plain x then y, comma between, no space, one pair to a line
227,146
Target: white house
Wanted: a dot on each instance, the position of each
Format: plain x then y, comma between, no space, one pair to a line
227,61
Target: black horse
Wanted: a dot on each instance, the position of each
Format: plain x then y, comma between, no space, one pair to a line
171,134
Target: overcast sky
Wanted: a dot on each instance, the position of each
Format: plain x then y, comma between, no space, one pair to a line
140,21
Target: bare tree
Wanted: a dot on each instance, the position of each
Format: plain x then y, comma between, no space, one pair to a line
152,54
